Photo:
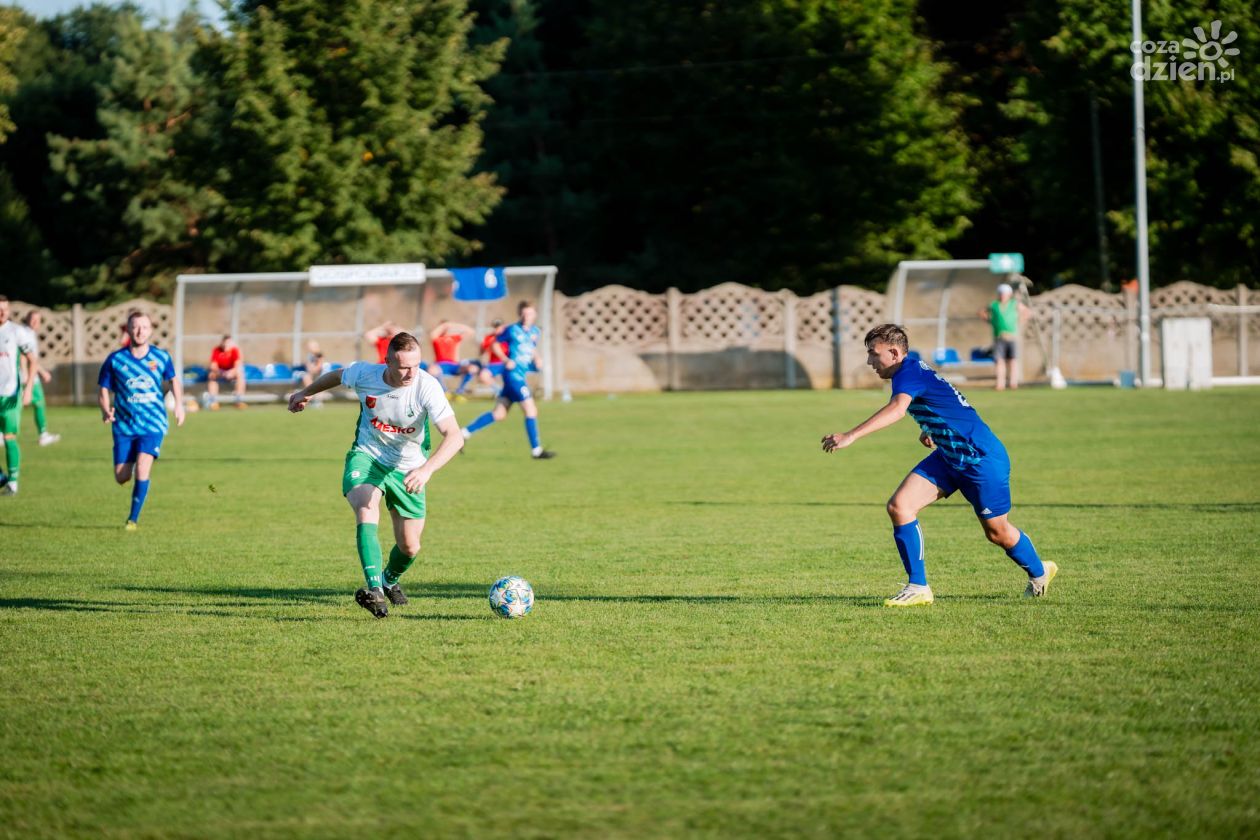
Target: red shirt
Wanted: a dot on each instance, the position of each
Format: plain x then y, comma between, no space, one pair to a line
382,348
485,348
225,359
446,347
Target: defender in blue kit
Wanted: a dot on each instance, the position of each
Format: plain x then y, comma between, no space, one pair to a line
966,456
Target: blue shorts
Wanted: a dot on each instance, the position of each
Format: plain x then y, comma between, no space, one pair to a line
127,448
987,485
448,368
495,368
515,389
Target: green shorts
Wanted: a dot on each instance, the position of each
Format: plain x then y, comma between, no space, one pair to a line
11,414
362,468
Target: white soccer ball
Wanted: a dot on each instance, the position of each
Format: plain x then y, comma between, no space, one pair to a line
511,597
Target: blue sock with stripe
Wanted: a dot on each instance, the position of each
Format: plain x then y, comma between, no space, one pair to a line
139,492
531,429
481,422
463,383
909,539
1025,555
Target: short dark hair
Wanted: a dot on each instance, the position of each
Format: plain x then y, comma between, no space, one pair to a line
136,313
890,334
30,316
402,342
523,305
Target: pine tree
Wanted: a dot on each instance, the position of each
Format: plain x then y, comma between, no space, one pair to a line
348,132
133,175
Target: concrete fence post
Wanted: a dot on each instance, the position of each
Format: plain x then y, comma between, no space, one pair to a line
78,351
789,338
673,307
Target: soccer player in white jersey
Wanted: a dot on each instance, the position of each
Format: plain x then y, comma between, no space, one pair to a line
390,459
15,341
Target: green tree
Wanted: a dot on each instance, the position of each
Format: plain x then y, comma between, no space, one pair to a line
12,32
785,144
133,182
542,212
346,132
1202,137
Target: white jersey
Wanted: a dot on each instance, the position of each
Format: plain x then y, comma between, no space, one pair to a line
393,422
15,339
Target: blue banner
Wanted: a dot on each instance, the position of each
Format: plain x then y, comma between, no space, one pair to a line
480,283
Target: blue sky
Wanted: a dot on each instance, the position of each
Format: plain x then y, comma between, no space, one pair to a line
157,8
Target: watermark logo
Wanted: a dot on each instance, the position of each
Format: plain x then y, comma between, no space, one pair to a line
1197,59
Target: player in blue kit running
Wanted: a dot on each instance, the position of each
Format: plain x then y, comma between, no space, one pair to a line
522,347
967,456
138,375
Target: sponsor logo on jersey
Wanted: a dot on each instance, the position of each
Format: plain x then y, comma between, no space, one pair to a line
139,383
371,403
395,430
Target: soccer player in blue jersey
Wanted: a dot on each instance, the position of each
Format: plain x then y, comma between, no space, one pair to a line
967,456
522,348
137,376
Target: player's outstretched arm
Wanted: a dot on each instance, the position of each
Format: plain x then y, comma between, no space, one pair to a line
882,419
452,442
326,382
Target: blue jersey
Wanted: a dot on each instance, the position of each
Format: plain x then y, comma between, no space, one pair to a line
522,344
954,426
137,387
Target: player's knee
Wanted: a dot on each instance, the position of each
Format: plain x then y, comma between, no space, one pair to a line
899,510
411,547
122,476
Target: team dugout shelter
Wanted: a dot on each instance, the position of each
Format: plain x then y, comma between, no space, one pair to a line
273,316
939,302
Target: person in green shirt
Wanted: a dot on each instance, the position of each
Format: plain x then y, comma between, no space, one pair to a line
1005,315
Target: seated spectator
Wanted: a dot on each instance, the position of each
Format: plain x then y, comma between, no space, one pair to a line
314,362
226,365
379,337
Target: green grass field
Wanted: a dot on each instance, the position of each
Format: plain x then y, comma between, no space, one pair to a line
708,655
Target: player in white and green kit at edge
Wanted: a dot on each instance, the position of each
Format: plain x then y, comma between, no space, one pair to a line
15,341
390,459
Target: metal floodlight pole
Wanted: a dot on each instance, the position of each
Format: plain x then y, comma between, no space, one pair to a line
1143,245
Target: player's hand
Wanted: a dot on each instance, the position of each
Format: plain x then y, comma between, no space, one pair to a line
416,479
107,416
831,443
509,365
926,440
27,396
298,401
45,375
179,414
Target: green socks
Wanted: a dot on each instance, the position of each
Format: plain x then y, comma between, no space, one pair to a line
14,455
41,420
398,563
369,554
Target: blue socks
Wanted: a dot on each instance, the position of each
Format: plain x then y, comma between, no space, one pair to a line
139,491
909,539
1025,555
481,422
463,383
531,429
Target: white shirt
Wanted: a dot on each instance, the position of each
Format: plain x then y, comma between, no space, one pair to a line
15,338
392,421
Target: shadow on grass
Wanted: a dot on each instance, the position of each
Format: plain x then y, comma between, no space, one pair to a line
1193,507
67,605
308,595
